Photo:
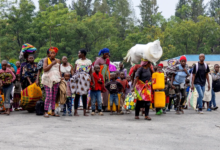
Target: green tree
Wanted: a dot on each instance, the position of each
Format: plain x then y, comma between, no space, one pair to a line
182,9
197,9
214,10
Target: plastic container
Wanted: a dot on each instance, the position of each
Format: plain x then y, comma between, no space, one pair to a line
158,81
159,99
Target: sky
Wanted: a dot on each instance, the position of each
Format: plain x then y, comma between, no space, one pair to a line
167,7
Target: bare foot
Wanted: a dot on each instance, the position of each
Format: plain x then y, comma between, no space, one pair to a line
86,115
136,117
46,115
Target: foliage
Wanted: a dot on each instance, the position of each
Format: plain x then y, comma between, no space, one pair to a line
96,24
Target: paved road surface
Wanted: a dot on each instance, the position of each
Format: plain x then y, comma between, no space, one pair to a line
190,131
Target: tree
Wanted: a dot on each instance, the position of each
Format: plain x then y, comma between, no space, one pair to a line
149,12
197,9
182,9
83,7
214,10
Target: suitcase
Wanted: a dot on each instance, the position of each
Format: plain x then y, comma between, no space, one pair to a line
39,107
159,99
114,106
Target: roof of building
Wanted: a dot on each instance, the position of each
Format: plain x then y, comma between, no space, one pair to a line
211,59
208,57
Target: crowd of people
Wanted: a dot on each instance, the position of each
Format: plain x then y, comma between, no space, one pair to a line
98,88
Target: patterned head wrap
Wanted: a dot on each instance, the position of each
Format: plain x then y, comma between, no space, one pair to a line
27,48
144,62
103,51
55,49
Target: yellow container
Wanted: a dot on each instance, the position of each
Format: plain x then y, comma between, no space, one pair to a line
114,106
158,81
159,99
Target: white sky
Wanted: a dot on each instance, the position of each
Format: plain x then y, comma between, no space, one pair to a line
167,7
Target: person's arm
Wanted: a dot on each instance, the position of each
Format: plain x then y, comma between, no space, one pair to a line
172,79
29,80
13,76
207,78
72,69
47,67
92,78
135,82
38,75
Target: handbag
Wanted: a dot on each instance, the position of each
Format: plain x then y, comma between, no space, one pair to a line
130,102
192,99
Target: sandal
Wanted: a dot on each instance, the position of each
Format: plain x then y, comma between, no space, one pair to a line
136,117
148,118
55,115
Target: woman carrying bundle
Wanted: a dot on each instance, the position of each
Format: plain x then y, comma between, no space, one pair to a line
142,87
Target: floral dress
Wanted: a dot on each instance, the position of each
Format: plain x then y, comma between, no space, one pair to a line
80,82
29,70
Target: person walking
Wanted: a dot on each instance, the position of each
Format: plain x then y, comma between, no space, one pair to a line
200,75
215,77
143,79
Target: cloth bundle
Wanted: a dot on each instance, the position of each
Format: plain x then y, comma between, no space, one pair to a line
26,48
171,68
30,96
130,102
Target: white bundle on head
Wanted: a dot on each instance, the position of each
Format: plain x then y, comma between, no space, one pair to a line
151,51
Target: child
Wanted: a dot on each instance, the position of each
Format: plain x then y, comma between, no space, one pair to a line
96,91
125,85
69,96
114,88
117,75
128,90
6,81
17,92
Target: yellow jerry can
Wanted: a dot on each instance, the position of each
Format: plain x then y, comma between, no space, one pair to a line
158,81
159,99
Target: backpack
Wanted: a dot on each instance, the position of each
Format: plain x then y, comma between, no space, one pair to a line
180,75
39,107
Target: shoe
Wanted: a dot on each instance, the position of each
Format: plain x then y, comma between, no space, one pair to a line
168,110
93,113
200,112
196,109
122,112
70,114
215,108
128,112
101,114
164,112
96,111
64,115
159,112
209,109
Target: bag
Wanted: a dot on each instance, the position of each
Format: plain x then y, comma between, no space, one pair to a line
30,96
130,102
192,99
171,68
216,85
39,107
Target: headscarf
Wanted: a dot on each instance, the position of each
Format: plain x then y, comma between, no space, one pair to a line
55,49
160,65
183,58
144,62
103,51
26,48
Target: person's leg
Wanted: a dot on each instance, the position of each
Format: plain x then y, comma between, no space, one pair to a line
76,103
99,100
147,107
54,95
137,110
200,98
111,102
213,102
170,103
178,100
47,100
64,107
69,105
116,102
7,91
93,100
183,93
84,97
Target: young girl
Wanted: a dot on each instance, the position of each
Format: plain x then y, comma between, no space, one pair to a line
17,92
6,81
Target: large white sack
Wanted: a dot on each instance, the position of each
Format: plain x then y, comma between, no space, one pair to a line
151,51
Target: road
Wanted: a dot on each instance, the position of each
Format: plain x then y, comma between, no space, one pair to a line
190,131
